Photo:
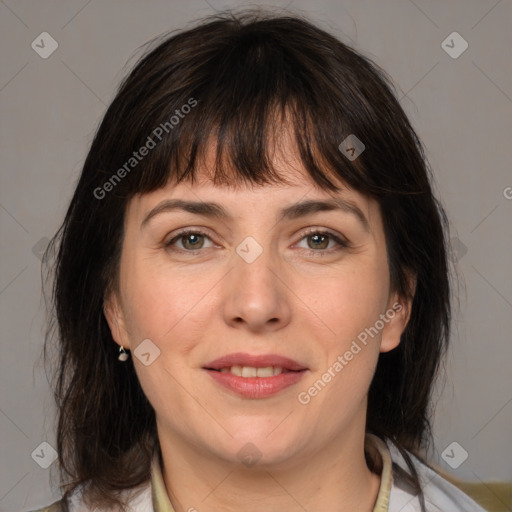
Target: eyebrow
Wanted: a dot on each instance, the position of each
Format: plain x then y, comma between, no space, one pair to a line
294,211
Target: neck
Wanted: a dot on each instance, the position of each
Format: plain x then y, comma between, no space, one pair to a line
333,478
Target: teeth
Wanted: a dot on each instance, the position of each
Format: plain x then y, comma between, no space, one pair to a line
250,371
236,370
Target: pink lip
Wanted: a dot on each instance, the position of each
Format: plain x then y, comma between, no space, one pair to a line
261,361
256,387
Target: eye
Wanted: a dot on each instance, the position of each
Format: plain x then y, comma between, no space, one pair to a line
320,241
191,240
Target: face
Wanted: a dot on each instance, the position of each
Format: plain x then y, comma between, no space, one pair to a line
265,279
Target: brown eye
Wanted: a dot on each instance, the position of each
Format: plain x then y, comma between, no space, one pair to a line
190,240
318,241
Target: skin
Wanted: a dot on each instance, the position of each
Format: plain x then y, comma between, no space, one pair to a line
289,301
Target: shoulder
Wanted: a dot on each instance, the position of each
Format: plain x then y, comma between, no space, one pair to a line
138,499
440,494
57,506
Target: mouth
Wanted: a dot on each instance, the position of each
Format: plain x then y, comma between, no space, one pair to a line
252,376
253,371
242,364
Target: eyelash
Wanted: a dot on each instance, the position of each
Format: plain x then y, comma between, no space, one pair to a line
343,244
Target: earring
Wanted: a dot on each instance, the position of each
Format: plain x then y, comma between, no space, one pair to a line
123,355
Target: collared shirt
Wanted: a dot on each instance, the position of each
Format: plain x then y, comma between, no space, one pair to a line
393,495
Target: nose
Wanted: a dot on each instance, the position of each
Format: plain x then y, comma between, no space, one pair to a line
256,292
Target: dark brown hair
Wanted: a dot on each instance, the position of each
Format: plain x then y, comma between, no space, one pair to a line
241,74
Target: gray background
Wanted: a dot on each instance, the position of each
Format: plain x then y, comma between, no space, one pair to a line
460,107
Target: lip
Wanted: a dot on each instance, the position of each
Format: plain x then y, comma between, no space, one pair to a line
256,387
256,361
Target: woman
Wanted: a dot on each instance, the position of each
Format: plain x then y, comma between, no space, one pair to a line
252,288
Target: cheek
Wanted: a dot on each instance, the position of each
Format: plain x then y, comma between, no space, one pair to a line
166,308
349,348
350,300
165,304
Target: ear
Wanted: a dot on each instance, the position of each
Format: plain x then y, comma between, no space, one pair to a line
398,314
115,319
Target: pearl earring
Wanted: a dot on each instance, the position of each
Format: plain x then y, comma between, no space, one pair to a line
123,355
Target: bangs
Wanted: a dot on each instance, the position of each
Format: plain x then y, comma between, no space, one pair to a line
242,149
243,96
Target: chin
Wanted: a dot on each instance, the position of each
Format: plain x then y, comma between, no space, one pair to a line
263,446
